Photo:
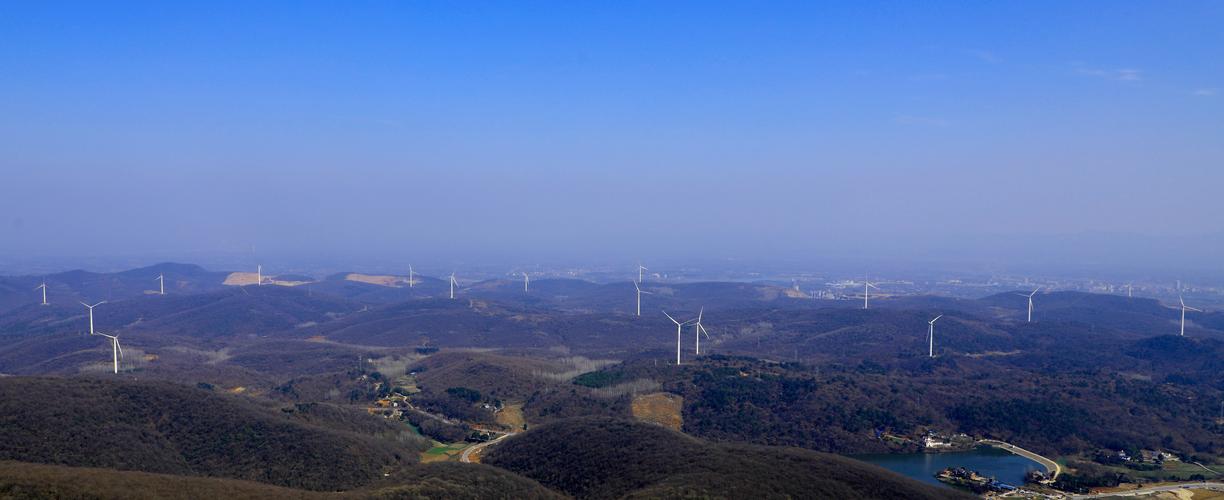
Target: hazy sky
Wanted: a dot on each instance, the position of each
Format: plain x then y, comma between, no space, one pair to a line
906,130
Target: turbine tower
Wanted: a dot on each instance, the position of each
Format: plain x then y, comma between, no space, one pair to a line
526,280
91,308
116,350
679,326
865,285
700,330
931,337
1030,304
259,275
1185,308
161,283
43,286
453,283
639,297
410,276
640,269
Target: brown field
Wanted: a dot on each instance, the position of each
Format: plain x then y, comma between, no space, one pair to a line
375,279
661,408
241,279
512,417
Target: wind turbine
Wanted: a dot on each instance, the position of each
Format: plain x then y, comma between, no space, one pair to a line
43,286
1185,308
699,329
453,283
1129,290
116,350
679,326
526,280
259,275
931,337
161,283
865,285
640,269
91,326
639,297
410,275
1030,304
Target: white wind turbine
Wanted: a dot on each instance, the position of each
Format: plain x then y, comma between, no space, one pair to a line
931,337
865,285
161,283
453,284
639,297
679,326
116,350
259,275
43,286
1030,304
700,330
1185,308
526,280
91,308
640,269
410,276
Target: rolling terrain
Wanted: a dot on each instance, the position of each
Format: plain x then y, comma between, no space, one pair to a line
220,383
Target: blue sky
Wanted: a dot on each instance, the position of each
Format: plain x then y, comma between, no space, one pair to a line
546,129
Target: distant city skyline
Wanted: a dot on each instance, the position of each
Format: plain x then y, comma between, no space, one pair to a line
1034,135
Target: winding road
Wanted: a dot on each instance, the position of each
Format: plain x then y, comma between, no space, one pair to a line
466,456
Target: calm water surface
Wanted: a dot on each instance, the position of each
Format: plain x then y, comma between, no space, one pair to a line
987,460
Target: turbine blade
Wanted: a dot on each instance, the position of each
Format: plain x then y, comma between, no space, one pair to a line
670,317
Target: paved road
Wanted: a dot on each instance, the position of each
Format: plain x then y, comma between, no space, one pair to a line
466,456
1156,489
1051,466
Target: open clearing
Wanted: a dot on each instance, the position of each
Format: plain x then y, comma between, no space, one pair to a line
443,453
661,408
512,417
375,279
241,279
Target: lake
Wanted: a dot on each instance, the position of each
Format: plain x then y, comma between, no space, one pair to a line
987,460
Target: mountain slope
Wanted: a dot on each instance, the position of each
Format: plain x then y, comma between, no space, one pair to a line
165,428
20,480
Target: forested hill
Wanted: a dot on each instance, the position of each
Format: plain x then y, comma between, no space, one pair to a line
598,457
166,428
